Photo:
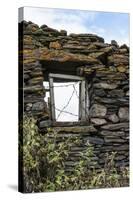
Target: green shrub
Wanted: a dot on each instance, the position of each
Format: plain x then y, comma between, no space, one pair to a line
44,163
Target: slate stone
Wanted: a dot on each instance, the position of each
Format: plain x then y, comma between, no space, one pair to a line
32,89
124,46
117,59
39,32
113,134
119,157
113,118
98,121
76,129
99,92
98,110
117,126
26,77
116,93
113,101
93,140
63,32
63,56
46,123
121,68
113,140
38,106
36,80
123,113
105,85
127,93
28,106
114,43
105,66
99,55
55,45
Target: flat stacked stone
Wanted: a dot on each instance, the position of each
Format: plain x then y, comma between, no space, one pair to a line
106,68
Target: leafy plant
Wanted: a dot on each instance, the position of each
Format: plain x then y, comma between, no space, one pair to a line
44,158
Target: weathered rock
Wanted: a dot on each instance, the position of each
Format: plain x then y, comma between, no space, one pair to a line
123,51
123,113
62,56
98,121
73,46
100,45
98,110
117,59
113,134
63,32
32,89
39,32
92,47
45,28
116,93
119,157
126,87
121,68
105,85
28,106
110,75
114,43
36,81
31,28
30,98
123,147
108,49
114,118
100,92
113,140
46,123
113,101
118,126
91,37
124,46
76,129
105,68
127,93
39,106
99,55
36,73
55,45
93,140
26,77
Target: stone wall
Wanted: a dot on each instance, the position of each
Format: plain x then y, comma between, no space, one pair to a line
105,66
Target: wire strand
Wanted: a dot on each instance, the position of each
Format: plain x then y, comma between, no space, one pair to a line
66,104
64,111
73,92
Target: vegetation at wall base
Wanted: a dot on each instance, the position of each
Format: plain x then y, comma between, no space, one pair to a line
44,163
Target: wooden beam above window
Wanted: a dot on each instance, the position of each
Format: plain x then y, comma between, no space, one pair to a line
64,76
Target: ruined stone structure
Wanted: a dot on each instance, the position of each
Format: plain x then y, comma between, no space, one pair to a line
105,67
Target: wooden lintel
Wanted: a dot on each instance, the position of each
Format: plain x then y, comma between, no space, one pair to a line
64,76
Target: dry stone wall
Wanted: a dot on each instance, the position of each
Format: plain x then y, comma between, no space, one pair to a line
105,66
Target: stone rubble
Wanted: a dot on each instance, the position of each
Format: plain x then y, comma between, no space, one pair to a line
106,68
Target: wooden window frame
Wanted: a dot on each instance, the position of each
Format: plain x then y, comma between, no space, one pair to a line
83,95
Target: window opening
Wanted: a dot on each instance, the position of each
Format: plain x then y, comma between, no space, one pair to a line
67,97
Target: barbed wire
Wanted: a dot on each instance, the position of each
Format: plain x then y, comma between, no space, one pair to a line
60,85
69,100
64,111
67,103
63,85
